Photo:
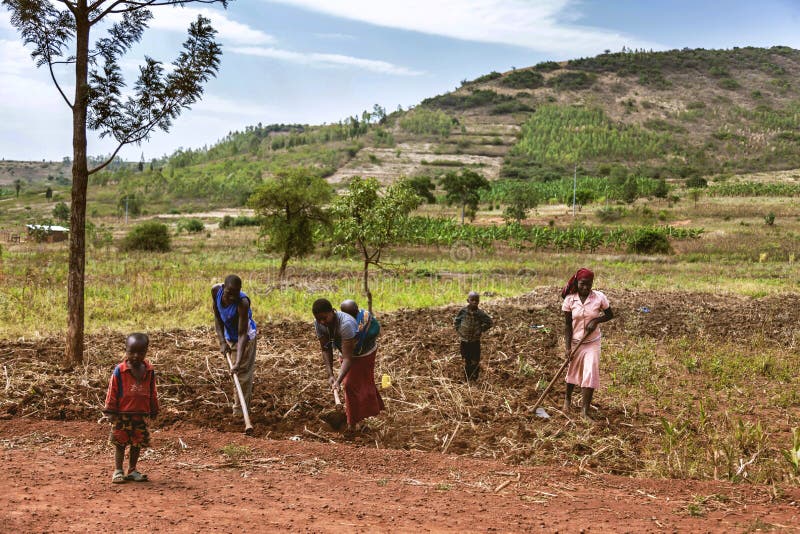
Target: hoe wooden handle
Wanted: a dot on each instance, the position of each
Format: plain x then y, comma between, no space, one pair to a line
248,426
558,373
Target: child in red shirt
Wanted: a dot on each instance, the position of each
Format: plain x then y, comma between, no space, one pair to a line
131,396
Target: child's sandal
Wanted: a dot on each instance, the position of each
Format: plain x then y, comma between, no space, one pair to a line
118,477
136,476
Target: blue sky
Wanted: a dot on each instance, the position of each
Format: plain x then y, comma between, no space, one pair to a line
315,61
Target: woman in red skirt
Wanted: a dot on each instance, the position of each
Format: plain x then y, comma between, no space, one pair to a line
358,348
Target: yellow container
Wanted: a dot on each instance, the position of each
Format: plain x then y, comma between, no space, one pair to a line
386,381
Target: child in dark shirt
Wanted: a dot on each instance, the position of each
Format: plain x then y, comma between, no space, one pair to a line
471,322
131,396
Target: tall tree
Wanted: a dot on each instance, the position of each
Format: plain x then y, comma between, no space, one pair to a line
291,205
464,189
370,221
59,33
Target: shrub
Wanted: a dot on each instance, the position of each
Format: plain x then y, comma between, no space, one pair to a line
149,236
661,190
513,106
523,79
485,78
242,220
610,213
572,81
191,226
475,98
61,211
649,241
696,182
769,218
729,83
547,66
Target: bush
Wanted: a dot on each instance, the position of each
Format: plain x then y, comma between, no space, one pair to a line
485,78
572,81
523,79
151,236
61,211
513,106
191,226
610,213
769,219
729,83
547,66
649,241
696,182
242,220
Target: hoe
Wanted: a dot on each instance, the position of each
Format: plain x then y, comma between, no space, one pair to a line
537,409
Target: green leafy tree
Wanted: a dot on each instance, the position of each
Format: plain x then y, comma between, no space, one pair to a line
630,191
519,198
130,204
59,33
61,211
48,194
17,186
291,206
370,221
662,189
424,187
464,189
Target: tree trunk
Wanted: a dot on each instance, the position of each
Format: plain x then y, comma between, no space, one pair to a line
284,263
80,180
367,292
463,208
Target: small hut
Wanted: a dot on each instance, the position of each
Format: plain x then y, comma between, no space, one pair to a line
47,234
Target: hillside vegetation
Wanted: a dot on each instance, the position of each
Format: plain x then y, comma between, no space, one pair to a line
678,115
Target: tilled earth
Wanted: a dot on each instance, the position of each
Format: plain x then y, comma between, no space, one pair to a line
430,409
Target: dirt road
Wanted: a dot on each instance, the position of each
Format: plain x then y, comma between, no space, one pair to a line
56,478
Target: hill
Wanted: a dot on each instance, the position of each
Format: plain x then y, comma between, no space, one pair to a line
676,114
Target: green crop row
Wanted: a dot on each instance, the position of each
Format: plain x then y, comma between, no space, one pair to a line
448,232
754,189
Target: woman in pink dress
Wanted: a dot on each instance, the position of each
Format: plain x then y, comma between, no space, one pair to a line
584,309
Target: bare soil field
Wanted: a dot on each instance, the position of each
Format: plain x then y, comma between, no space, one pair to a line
445,456
56,478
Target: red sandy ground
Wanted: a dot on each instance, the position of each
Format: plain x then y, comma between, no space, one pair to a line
56,478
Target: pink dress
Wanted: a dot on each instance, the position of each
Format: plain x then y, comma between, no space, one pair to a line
584,369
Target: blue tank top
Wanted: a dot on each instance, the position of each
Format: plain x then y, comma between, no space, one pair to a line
230,318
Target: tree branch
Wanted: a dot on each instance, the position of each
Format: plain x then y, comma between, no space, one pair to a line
131,6
143,130
70,5
55,82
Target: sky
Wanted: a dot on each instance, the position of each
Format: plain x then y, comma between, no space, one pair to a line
319,61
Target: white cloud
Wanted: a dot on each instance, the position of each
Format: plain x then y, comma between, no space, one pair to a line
5,21
218,105
14,58
178,19
543,25
335,36
327,60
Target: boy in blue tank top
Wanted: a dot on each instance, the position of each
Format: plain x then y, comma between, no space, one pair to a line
233,322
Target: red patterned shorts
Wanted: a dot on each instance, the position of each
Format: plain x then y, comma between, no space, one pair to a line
130,430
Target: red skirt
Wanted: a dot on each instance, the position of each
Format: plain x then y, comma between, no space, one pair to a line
361,396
